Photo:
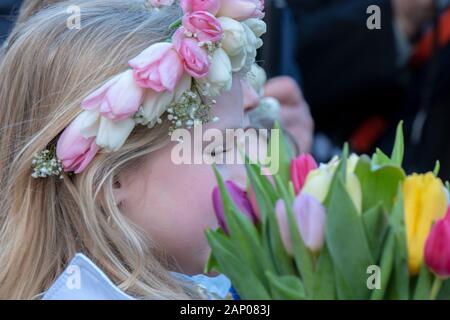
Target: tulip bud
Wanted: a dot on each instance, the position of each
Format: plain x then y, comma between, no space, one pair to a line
240,199
242,9
113,134
211,6
424,202
258,26
318,182
437,247
300,168
310,217
220,76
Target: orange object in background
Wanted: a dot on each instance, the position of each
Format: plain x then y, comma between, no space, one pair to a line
424,48
368,133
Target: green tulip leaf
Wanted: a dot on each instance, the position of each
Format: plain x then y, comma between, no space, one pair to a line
324,279
400,282
341,170
244,280
286,287
347,242
424,283
386,265
244,235
437,168
394,267
380,159
399,147
401,273
444,293
375,225
378,184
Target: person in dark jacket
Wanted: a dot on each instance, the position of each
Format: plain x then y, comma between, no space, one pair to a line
352,75
360,82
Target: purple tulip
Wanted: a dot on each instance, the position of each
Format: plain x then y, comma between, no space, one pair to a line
310,217
240,199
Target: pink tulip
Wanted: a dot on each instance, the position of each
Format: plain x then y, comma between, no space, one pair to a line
203,25
118,99
73,149
239,197
161,3
195,58
310,217
242,9
437,247
158,67
300,168
211,6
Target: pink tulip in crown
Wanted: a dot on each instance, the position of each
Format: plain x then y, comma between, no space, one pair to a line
213,40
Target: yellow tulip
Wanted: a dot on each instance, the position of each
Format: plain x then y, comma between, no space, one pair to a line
424,201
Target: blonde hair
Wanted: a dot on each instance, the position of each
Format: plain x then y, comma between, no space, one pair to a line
30,7
46,71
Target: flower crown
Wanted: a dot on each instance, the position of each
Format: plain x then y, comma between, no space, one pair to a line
213,40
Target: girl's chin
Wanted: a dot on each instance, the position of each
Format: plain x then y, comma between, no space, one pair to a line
212,273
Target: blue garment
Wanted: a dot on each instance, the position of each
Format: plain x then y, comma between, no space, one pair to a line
83,280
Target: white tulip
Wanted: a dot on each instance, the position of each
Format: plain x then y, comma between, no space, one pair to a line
113,134
220,75
234,42
253,43
154,105
258,26
89,121
234,38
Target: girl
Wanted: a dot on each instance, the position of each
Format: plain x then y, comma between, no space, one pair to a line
120,199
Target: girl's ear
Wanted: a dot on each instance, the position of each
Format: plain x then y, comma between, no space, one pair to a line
119,190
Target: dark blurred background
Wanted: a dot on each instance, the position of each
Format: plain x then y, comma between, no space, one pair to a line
359,82
8,10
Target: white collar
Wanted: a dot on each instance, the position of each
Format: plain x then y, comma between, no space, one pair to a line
83,280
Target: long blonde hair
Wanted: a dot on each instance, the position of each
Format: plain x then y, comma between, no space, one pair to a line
30,7
46,70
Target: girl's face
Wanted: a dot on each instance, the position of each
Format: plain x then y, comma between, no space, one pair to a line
172,203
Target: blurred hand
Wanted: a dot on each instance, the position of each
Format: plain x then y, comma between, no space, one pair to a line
295,115
412,14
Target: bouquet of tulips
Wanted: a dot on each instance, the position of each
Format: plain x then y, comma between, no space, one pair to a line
355,228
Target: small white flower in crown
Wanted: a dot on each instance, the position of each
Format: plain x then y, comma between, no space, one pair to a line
212,40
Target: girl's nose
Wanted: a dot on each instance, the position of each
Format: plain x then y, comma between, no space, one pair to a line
251,97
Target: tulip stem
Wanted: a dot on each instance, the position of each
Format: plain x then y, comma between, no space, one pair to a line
435,288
